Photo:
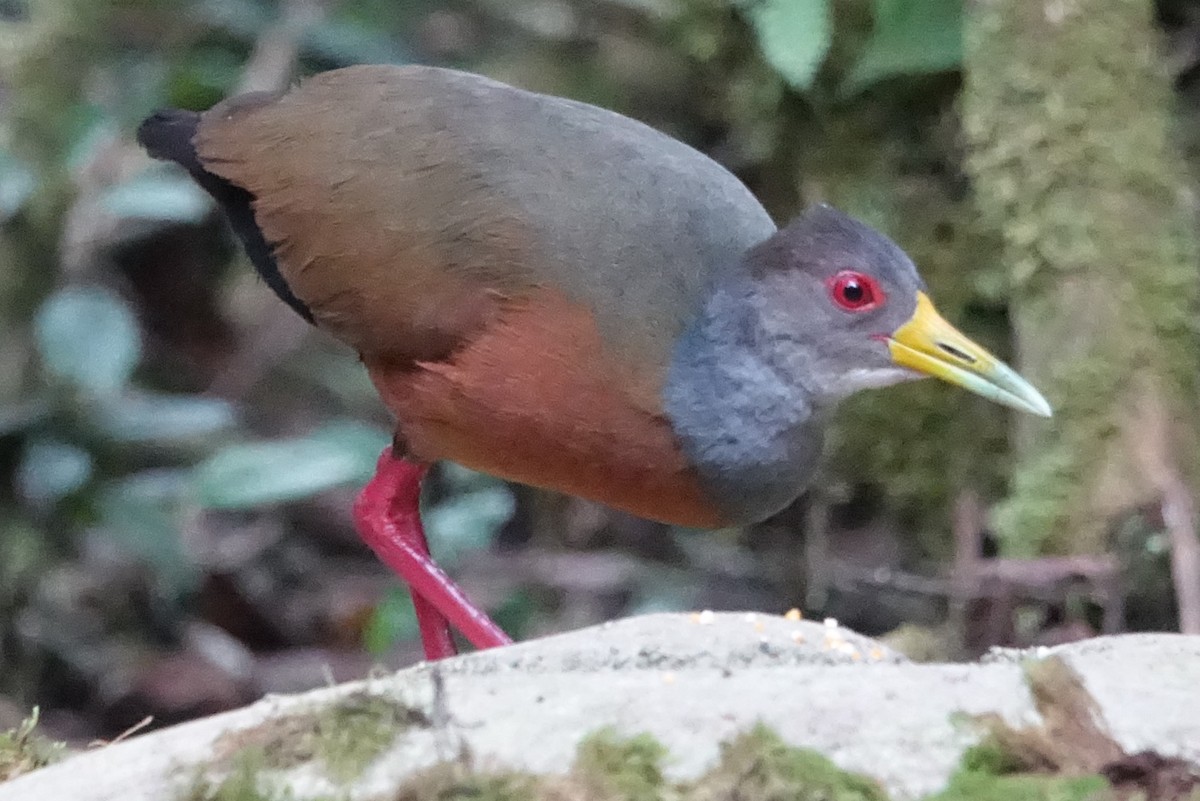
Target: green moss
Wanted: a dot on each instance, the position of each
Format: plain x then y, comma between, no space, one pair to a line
1072,738
458,781
23,750
244,783
755,766
971,786
344,737
625,768
990,756
351,734
1058,759
759,766
924,643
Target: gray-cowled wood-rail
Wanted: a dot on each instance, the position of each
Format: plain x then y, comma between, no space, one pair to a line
558,295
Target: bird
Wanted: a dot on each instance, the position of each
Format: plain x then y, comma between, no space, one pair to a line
561,296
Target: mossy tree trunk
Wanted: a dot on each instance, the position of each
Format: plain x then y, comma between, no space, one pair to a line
1068,112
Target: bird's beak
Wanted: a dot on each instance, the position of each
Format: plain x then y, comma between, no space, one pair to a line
930,345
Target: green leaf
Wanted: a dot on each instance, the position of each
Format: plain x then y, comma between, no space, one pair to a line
515,613
142,515
158,195
151,417
51,469
794,36
393,621
460,480
246,475
338,372
88,337
365,442
91,129
17,183
468,522
911,37
207,75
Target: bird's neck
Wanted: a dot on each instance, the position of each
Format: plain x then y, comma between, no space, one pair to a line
751,431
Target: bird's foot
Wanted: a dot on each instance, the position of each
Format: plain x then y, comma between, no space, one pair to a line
387,513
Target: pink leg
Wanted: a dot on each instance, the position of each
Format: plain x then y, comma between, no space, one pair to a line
388,516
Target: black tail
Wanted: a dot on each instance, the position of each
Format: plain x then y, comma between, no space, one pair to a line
167,134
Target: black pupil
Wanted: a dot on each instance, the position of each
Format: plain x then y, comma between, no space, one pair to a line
853,291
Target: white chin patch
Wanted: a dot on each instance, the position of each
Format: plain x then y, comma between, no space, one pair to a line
872,378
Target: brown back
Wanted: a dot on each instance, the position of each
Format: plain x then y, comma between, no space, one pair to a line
406,204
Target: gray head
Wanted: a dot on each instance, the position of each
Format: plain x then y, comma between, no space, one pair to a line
830,291
823,308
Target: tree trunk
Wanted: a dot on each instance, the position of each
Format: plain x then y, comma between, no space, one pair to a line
1067,112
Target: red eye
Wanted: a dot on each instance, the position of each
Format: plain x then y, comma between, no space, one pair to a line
854,291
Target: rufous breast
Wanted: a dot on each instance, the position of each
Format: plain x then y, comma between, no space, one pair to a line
536,398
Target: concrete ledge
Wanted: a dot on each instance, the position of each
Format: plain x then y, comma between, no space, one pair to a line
690,680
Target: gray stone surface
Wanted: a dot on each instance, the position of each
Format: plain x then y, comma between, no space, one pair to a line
692,681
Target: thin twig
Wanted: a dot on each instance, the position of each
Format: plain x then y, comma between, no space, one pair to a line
125,735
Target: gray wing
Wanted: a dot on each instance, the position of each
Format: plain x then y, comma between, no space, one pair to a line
630,221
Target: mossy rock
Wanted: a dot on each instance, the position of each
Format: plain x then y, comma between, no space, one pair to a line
759,766
343,738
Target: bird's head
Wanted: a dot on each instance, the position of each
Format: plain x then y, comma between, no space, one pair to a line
852,303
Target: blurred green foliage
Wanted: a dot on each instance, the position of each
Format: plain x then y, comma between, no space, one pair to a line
908,38
102,434
88,340
246,475
794,36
